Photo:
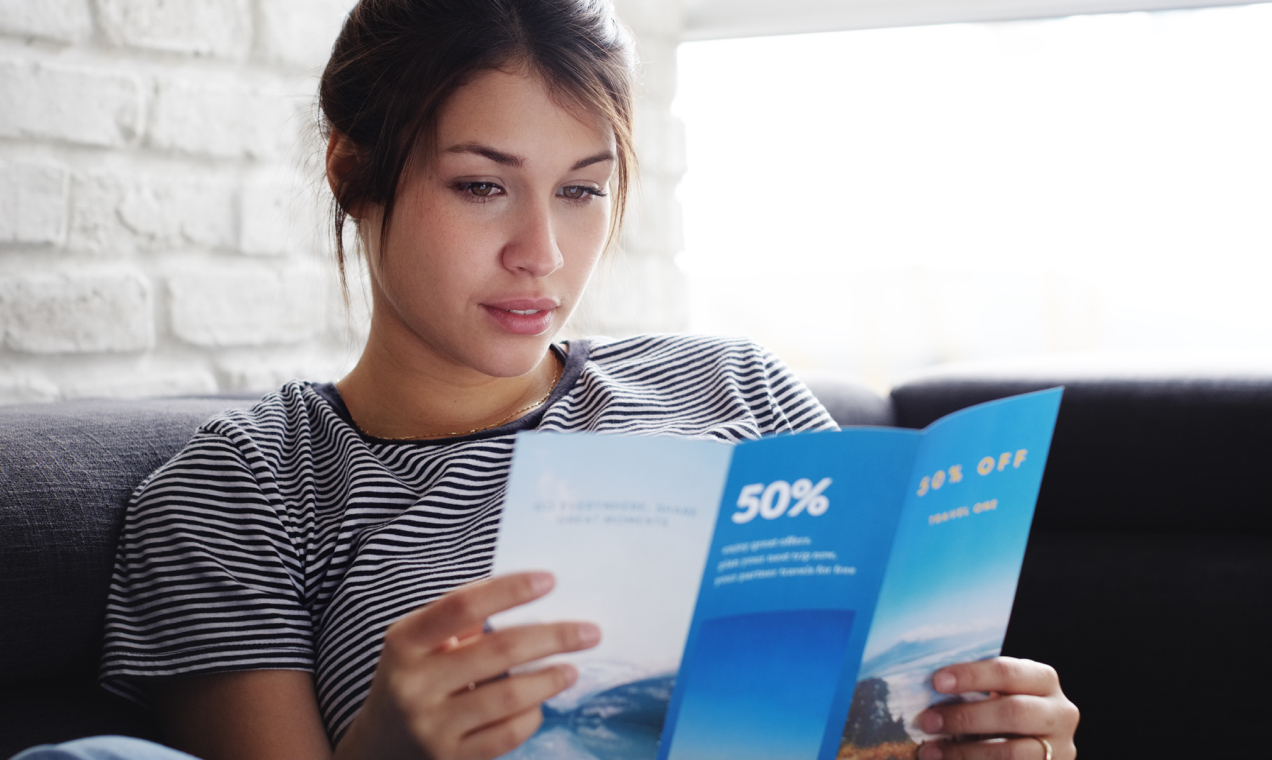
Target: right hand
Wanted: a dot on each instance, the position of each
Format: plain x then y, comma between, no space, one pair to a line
437,691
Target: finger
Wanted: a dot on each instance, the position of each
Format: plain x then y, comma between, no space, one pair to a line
492,654
455,641
490,703
500,738
1016,714
1020,748
465,609
1006,675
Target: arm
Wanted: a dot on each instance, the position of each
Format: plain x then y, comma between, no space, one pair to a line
437,692
245,715
1027,702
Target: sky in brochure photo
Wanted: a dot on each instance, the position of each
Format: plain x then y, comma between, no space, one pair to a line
962,571
625,523
649,547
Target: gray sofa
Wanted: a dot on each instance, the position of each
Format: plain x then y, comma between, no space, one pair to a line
1147,582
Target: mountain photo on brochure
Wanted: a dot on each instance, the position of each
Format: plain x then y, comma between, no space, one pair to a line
749,594
952,572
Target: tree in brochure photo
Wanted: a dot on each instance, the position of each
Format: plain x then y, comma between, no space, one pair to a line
788,597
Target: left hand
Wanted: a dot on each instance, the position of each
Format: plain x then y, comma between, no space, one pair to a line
1025,702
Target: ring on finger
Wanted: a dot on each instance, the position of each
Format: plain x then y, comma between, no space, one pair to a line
1046,748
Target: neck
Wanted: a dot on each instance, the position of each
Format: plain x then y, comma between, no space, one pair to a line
389,399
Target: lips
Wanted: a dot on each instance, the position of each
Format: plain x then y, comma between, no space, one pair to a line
523,316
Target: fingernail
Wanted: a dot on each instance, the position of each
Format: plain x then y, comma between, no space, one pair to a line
541,583
943,681
589,634
930,722
929,751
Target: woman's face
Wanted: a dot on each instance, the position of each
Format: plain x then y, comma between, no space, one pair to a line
492,244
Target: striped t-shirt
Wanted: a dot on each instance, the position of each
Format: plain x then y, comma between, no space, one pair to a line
283,537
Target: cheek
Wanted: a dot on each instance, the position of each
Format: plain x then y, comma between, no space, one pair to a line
433,245
588,236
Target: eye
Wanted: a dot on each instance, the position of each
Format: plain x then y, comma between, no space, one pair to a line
580,193
480,190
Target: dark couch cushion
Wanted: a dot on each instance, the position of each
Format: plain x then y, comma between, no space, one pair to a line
848,402
1160,640
68,470
53,710
1142,448
1147,582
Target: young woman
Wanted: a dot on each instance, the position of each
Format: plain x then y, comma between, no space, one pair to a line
308,579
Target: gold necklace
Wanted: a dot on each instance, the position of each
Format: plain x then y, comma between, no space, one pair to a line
556,376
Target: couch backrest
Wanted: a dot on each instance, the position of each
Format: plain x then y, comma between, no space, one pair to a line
1147,582
1139,452
68,471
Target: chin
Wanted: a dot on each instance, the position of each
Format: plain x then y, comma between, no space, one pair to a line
515,358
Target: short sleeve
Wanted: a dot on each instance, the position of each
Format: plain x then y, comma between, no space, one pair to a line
793,407
208,574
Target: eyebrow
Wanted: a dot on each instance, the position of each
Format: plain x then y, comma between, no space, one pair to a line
508,159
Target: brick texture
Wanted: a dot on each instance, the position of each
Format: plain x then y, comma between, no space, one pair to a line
115,213
73,104
57,20
32,202
300,32
46,314
196,27
265,208
247,306
134,382
160,232
220,119
25,389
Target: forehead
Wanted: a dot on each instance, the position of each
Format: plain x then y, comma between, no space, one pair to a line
515,110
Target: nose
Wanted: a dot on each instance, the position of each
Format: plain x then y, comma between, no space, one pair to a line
532,245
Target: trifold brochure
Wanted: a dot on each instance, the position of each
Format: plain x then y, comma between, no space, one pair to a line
748,595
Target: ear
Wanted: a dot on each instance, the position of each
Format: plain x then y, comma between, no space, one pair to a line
342,159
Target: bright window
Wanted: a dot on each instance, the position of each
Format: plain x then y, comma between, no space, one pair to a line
877,201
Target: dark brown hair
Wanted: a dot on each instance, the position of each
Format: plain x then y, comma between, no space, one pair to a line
397,62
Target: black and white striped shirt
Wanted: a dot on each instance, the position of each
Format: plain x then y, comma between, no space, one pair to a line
282,537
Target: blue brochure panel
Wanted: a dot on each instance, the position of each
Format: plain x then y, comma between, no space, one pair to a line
786,598
951,576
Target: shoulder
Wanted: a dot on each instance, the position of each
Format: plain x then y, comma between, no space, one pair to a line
252,443
675,350
294,407
693,385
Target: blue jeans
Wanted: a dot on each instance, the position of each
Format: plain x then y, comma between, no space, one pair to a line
103,748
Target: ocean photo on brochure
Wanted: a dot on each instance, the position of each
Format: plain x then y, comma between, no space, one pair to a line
786,597
624,524
951,577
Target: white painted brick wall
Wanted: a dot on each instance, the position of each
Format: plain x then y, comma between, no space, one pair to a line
117,212
197,27
247,305
160,232
223,119
32,202
299,32
57,20
642,289
48,314
77,105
